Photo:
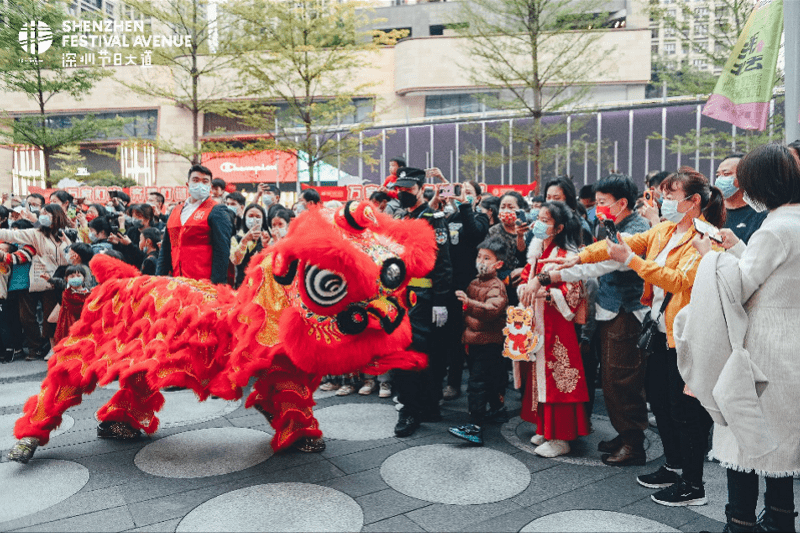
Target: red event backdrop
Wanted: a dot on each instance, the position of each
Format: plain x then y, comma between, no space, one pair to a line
252,167
357,192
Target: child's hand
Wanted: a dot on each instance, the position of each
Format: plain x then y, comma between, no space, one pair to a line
45,276
462,297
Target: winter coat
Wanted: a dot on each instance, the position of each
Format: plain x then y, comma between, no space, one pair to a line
485,312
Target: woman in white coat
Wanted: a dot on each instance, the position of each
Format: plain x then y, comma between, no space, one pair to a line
770,269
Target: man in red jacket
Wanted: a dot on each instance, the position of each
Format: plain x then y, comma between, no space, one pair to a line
198,234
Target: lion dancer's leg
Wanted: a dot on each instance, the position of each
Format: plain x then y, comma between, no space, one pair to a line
284,395
63,387
130,410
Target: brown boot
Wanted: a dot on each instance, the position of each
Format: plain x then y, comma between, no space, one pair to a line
627,455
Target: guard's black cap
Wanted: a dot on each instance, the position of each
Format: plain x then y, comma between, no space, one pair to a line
410,176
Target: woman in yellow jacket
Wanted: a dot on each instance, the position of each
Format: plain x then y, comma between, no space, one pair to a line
667,262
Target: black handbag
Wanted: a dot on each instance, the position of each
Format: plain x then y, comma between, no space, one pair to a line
650,326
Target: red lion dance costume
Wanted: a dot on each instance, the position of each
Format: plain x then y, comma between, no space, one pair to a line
324,300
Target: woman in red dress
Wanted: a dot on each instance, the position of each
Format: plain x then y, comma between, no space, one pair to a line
555,388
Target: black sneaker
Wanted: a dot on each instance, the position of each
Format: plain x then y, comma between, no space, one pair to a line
663,477
680,494
406,425
497,416
470,433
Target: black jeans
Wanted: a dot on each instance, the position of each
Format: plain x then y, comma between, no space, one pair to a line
487,379
683,424
743,494
10,327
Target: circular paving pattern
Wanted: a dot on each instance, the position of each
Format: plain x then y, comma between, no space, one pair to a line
20,367
204,452
460,475
321,394
182,408
7,439
18,393
348,421
593,520
277,507
584,452
38,485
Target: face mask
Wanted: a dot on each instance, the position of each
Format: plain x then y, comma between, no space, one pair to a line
267,200
604,212
407,199
33,208
507,217
92,236
470,199
75,282
90,217
726,186
540,230
669,210
199,191
252,222
136,223
299,208
45,221
110,207
757,206
279,233
234,209
449,210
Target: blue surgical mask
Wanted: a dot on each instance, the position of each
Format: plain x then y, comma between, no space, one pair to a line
199,191
234,209
45,220
92,236
540,230
267,200
726,186
669,210
75,282
470,198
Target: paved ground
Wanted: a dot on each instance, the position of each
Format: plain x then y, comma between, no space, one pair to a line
210,468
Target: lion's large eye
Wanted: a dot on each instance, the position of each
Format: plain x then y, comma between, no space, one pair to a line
324,287
393,273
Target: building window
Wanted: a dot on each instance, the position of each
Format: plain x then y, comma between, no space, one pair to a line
669,48
142,124
700,30
654,33
699,64
654,49
701,12
669,32
721,12
671,13
452,104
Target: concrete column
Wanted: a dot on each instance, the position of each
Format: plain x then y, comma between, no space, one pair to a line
791,14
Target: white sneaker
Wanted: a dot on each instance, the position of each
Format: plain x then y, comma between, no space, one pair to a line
538,440
553,448
345,390
386,390
367,388
398,406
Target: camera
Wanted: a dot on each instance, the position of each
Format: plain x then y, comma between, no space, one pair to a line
113,221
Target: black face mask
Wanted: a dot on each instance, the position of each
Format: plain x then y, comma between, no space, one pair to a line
407,199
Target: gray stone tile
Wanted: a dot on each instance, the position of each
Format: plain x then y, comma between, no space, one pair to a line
506,523
358,462
607,494
162,527
535,463
671,516
111,469
399,524
248,419
386,504
336,448
78,504
359,484
702,524
316,472
116,519
558,480
443,517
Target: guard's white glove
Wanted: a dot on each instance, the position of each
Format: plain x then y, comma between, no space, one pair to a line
439,316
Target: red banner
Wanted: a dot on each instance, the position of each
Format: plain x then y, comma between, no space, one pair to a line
252,167
500,190
99,195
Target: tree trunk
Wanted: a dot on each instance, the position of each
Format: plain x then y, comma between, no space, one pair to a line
195,105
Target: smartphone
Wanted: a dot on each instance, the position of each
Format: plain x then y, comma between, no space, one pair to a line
522,218
649,198
448,190
72,212
704,228
611,230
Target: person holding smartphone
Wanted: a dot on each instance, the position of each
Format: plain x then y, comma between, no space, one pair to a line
667,262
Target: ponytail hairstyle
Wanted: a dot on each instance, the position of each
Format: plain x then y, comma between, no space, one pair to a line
569,237
712,203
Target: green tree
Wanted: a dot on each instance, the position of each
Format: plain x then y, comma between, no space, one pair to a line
40,76
709,29
302,73
537,56
200,72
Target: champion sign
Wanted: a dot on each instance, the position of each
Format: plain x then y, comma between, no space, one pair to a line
252,167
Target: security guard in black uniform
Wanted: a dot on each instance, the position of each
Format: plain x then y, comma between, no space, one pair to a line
419,392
